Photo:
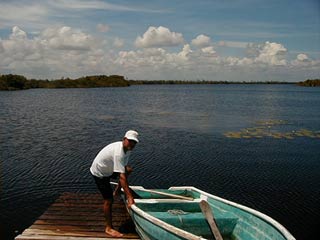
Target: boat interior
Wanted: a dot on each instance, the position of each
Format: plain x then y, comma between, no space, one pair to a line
188,216
233,221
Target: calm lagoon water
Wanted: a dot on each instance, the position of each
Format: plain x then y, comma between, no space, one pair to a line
258,145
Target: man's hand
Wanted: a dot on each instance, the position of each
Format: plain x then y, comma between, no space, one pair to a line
124,184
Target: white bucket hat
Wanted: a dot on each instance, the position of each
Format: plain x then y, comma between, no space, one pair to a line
132,135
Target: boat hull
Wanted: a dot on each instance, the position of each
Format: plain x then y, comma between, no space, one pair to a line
158,217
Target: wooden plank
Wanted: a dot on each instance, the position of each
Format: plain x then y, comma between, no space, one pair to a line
75,216
76,205
81,205
68,209
80,212
83,227
48,237
65,207
208,213
76,195
69,228
77,223
71,223
93,217
74,209
58,232
62,212
98,217
80,198
71,233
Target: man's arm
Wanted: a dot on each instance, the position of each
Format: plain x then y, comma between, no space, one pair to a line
124,184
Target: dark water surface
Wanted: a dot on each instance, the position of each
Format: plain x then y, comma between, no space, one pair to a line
49,137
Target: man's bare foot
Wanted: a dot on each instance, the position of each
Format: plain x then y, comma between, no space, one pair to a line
113,233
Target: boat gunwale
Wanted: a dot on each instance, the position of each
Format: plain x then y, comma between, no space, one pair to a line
260,215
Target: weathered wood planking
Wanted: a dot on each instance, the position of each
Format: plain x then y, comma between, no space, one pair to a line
79,216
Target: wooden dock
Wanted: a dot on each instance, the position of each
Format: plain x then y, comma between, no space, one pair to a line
79,216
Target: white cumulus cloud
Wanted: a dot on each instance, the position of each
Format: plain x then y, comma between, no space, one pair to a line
65,51
159,37
208,50
269,53
185,51
17,33
302,57
201,41
303,60
37,56
66,38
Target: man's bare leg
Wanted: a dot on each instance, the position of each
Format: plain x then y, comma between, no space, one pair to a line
108,215
117,190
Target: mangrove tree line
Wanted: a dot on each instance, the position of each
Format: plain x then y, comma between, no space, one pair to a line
18,82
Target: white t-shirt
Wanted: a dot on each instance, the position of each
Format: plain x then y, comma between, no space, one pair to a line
111,158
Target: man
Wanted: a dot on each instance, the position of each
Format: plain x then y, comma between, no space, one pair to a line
112,161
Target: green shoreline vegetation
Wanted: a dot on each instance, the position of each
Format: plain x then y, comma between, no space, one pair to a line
19,82
310,83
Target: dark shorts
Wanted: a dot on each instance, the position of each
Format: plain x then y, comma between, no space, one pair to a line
104,186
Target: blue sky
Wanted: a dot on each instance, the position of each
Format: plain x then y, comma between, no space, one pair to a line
230,40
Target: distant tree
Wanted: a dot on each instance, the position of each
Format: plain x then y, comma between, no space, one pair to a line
13,82
310,83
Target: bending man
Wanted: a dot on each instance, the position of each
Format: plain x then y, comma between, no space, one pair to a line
111,162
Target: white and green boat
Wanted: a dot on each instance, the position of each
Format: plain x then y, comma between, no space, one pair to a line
189,213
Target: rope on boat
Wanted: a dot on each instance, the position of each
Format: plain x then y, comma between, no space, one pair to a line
177,212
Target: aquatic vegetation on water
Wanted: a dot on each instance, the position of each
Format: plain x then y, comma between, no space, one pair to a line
272,129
